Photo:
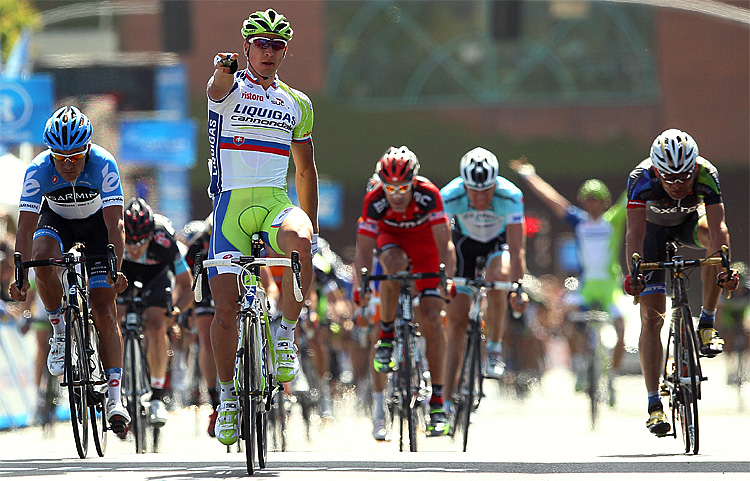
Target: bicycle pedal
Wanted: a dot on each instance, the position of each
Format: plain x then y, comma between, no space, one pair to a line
667,434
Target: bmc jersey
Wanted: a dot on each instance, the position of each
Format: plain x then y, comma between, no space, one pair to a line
425,210
97,186
250,132
645,190
483,225
162,251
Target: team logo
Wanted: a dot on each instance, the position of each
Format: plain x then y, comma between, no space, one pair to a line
162,239
54,179
227,256
276,101
114,382
239,140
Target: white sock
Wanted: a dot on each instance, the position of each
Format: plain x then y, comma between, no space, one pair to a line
114,374
226,391
57,321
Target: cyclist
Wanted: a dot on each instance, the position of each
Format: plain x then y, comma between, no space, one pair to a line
153,258
598,232
403,217
673,195
254,122
487,215
72,193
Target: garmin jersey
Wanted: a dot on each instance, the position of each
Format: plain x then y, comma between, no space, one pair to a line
162,250
483,225
645,191
425,210
250,132
97,186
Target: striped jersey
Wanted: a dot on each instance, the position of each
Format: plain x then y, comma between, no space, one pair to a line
250,132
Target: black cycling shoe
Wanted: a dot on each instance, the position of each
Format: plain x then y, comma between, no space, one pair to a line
383,361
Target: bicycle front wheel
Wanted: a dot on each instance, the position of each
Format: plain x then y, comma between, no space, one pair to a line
691,388
246,385
97,409
76,376
409,387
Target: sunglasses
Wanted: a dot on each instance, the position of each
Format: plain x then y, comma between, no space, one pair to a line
264,43
72,158
672,179
139,243
392,189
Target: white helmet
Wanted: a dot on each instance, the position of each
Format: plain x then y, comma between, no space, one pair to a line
674,152
479,168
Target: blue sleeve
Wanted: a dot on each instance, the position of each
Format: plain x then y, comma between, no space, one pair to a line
111,190
180,266
575,215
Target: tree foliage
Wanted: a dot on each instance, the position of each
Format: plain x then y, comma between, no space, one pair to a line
15,15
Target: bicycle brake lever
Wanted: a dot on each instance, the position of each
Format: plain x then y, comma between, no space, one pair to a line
725,265
634,268
112,260
20,278
296,268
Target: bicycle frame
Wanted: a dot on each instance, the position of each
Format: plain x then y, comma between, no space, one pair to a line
255,363
682,374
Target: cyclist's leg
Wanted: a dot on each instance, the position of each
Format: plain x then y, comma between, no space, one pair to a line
202,318
576,336
711,343
157,321
498,269
455,340
392,258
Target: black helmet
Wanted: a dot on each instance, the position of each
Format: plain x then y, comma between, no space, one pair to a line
139,221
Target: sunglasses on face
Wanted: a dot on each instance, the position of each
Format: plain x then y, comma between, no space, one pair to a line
72,158
392,189
139,243
264,43
672,179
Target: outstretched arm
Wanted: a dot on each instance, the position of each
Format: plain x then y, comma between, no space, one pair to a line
558,204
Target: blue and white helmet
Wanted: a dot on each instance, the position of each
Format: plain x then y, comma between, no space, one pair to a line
67,129
674,152
479,168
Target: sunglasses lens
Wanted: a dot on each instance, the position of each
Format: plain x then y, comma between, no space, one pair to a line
68,158
264,43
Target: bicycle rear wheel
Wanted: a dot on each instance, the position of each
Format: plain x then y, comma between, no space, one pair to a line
409,386
76,375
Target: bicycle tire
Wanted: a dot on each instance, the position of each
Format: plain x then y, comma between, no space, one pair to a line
409,387
76,375
694,375
473,354
278,420
97,409
262,400
247,428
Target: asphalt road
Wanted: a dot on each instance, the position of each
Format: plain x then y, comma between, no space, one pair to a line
545,436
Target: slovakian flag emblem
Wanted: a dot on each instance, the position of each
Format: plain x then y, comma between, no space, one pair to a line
239,140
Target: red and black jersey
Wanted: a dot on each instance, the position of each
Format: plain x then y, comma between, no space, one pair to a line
425,210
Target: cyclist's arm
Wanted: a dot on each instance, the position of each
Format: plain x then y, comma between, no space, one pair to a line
558,204
115,230
183,294
306,179
717,228
365,245
221,82
635,232
517,247
27,222
446,249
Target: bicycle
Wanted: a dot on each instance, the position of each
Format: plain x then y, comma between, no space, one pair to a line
255,364
682,375
599,381
83,374
407,382
469,390
136,377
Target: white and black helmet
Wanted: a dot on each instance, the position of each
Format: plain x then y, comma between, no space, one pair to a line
479,168
674,152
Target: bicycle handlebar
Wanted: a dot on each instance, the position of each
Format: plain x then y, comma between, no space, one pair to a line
678,262
65,261
396,276
246,262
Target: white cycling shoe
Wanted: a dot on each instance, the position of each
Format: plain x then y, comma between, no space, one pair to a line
56,356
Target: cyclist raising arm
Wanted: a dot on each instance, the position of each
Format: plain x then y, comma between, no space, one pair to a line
487,213
673,195
71,194
598,232
403,218
254,122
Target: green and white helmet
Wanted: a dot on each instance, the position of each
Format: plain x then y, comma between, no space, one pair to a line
593,189
269,21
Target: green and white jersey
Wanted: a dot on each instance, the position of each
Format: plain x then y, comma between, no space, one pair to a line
250,132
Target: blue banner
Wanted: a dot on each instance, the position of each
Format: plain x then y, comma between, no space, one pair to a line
25,106
330,203
170,90
159,143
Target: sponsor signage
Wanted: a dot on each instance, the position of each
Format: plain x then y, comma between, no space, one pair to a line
159,143
25,106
